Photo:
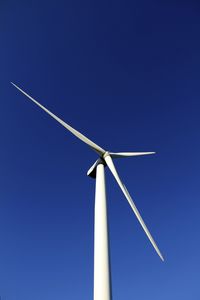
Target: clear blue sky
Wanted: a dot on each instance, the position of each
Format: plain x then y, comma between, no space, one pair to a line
125,73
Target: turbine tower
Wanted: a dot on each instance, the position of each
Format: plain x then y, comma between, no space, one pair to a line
102,278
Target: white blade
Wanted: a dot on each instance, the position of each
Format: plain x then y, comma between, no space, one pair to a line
128,154
92,170
79,135
113,170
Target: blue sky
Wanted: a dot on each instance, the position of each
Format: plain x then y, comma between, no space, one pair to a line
126,74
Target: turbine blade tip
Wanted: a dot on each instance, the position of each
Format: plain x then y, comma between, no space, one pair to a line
13,84
162,258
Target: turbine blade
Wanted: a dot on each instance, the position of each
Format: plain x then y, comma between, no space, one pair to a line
113,170
128,154
92,170
79,135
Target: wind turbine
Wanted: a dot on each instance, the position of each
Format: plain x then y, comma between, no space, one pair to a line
102,278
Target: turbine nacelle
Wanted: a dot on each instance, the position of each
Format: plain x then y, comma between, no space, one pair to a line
101,160
92,170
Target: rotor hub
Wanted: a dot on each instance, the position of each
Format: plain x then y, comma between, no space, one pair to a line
106,154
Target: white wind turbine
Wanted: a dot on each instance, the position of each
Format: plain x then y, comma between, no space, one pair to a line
102,278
